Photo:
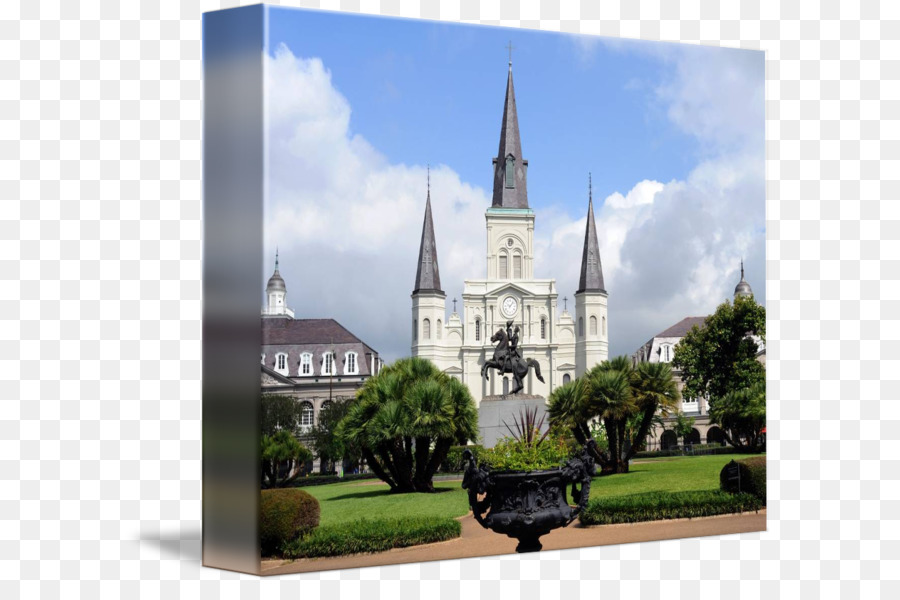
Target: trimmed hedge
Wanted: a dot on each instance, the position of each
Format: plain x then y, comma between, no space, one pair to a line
326,479
285,514
454,462
367,535
753,478
675,505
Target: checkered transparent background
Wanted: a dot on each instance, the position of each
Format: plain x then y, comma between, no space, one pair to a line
100,156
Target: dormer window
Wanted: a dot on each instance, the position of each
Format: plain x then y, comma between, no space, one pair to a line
328,364
351,366
306,363
510,171
281,363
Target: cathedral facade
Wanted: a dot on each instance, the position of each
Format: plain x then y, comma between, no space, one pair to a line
565,345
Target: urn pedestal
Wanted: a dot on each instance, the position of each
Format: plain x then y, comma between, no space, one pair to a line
528,504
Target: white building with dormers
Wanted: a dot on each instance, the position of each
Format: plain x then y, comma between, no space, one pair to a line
564,344
315,361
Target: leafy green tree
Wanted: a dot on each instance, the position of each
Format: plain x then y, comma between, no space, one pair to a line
281,454
405,419
323,436
720,357
683,426
625,400
279,413
742,416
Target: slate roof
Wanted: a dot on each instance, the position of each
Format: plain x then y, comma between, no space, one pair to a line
514,197
428,277
295,337
681,328
591,269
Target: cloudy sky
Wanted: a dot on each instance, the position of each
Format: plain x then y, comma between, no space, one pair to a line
358,106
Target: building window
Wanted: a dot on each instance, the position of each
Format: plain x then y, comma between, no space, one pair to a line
543,329
438,329
426,329
263,359
307,415
566,378
504,270
477,330
415,330
510,172
580,326
328,364
604,326
306,363
281,363
352,366
593,325
517,266
666,354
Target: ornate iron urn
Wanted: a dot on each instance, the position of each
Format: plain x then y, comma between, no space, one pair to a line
528,504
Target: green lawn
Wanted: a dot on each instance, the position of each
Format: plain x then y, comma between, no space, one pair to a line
673,474
342,502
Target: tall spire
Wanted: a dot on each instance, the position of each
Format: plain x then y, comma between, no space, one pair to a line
428,278
510,188
591,269
742,288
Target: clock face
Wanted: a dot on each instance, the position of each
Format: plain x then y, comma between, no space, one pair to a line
510,306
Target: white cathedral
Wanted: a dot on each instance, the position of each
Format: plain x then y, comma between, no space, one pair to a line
565,346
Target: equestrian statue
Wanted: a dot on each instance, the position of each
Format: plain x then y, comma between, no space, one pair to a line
508,358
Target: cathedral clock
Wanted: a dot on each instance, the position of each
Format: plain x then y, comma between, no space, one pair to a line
509,307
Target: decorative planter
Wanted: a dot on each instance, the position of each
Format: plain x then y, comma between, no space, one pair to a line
528,504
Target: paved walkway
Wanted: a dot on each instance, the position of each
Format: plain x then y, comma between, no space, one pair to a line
477,541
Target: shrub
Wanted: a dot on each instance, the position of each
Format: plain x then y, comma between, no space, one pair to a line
752,480
367,535
513,455
697,450
454,462
673,505
284,515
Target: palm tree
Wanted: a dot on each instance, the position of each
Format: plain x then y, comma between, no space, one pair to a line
654,390
610,399
405,419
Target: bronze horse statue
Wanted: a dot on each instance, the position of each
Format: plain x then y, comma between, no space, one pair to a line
507,359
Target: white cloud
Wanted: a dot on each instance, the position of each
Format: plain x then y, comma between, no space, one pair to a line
348,221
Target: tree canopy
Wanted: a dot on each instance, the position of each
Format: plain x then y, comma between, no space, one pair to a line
324,439
742,415
405,419
720,357
281,454
624,399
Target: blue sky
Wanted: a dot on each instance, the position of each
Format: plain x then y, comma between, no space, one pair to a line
358,105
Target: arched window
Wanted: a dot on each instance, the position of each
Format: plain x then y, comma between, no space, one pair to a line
517,266
281,363
566,378
326,404
504,267
415,330
307,414
351,365
543,329
438,329
510,171
328,364
580,326
593,325
665,353
604,326
426,329
306,364
477,330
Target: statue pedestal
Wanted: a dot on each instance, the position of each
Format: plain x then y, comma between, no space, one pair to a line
494,410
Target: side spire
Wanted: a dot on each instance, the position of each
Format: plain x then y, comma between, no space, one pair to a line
510,190
428,278
591,268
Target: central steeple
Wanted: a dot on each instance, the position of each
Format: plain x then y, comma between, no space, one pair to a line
510,168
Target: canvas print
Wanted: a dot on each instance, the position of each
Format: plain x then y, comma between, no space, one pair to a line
513,296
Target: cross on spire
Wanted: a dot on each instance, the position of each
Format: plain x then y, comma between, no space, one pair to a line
276,259
565,303
454,305
742,269
590,188
510,47
428,166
